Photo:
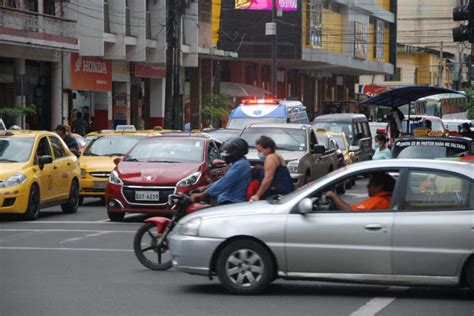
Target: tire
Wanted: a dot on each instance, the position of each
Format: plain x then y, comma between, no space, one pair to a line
146,249
72,203
245,267
469,276
116,216
81,200
34,204
307,178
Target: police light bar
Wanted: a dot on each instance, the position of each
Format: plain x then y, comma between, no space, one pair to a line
125,128
261,101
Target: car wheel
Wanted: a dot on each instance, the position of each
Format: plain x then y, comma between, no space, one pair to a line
34,205
72,203
81,200
147,250
116,216
245,267
469,276
307,178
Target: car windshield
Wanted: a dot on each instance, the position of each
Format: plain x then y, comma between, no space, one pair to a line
344,127
436,125
224,135
15,149
340,142
427,152
111,145
284,138
168,151
240,123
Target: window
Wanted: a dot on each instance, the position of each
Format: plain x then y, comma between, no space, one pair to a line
315,25
379,52
435,190
213,152
360,40
58,148
397,76
43,148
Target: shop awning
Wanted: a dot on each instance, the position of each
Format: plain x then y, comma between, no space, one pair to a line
240,90
405,95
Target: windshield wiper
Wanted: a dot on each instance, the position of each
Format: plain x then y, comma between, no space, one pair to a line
7,160
165,161
115,154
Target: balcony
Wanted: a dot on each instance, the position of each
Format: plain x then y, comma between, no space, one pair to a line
34,28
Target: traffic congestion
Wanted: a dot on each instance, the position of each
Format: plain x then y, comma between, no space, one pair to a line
274,196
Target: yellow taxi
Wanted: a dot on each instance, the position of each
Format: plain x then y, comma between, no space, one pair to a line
344,146
37,170
97,160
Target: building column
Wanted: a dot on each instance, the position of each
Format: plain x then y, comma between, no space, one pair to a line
157,102
56,95
20,70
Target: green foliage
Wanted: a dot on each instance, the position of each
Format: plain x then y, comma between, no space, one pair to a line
470,104
13,112
214,108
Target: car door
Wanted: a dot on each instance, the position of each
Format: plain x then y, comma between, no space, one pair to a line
364,141
433,231
341,242
62,168
319,163
46,174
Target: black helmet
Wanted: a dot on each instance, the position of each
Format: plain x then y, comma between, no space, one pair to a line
234,149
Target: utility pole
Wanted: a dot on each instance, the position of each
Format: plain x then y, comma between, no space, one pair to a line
274,49
440,66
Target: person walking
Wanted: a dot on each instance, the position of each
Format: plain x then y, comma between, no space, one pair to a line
79,126
381,149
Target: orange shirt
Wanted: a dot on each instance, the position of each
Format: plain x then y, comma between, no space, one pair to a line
252,189
380,201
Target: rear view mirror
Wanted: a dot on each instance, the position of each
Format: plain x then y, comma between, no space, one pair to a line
117,160
218,163
44,160
319,149
305,206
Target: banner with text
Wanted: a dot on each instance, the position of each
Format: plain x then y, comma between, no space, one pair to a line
285,5
90,73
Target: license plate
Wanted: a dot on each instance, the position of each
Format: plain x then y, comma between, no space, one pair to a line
99,184
147,195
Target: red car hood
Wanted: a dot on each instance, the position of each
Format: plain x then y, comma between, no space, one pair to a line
155,174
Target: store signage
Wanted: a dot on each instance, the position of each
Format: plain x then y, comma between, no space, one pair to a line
90,73
285,5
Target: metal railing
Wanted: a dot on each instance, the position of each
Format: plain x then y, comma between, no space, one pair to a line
35,22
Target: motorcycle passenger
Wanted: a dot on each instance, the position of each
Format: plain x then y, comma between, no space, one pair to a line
232,187
276,178
380,189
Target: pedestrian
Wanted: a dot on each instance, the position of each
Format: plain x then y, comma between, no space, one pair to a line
78,126
86,117
466,130
68,139
255,183
276,178
381,149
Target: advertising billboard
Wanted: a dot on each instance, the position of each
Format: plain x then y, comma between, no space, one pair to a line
285,5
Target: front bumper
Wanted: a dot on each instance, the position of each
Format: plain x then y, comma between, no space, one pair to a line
14,200
93,187
192,254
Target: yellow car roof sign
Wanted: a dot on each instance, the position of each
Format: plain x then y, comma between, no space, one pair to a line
125,128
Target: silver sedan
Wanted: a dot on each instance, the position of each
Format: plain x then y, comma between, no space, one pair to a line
425,237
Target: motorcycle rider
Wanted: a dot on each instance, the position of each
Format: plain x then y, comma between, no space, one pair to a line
232,187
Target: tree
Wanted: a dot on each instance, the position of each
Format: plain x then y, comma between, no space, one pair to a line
470,103
14,112
214,109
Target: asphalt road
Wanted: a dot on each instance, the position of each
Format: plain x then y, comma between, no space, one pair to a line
81,264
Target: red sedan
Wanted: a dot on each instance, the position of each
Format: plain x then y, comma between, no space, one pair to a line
157,167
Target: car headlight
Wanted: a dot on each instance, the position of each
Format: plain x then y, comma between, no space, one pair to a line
13,181
188,181
114,178
191,228
293,166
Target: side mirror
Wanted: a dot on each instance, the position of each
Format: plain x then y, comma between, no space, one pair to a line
305,206
319,149
218,163
354,148
44,160
117,160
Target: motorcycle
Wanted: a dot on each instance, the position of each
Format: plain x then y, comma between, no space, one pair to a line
154,233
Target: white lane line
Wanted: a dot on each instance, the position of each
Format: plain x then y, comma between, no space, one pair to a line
373,306
86,236
71,239
66,230
66,249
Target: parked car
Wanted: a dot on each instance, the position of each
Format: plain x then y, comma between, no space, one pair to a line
306,158
432,147
157,167
424,238
37,170
356,128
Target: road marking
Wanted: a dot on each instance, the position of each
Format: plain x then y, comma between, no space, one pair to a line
67,230
373,306
66,249
80,238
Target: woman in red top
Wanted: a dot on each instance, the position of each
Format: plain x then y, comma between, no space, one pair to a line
255,183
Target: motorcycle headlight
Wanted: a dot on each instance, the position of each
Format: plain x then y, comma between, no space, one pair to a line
13,181
293,166
114,178
191,228
188,181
